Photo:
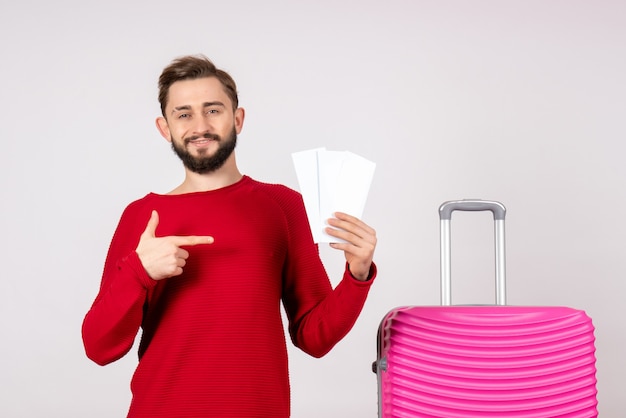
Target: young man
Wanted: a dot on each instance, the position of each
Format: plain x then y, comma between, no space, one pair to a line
203,270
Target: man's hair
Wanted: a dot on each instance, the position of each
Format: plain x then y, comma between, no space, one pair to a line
191,67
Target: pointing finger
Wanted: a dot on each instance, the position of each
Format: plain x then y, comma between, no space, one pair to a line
191,240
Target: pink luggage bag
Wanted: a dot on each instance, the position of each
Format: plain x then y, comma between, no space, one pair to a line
485,361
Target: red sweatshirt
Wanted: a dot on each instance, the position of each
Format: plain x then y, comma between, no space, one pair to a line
213,343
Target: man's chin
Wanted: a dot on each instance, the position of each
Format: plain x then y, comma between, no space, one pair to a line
202,149
207,158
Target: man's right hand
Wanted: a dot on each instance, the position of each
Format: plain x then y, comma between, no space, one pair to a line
163,257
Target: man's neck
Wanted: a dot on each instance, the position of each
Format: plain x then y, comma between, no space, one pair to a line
195,182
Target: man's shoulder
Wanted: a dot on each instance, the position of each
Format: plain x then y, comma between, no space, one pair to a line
273,188
283,196
139,205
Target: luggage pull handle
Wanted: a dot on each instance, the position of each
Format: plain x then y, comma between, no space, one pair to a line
445,215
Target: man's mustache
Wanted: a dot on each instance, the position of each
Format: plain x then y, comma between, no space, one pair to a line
207,135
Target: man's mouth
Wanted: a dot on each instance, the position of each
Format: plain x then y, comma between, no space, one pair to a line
199,141
202,140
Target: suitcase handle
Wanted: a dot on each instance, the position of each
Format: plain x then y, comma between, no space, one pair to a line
445,216
497,208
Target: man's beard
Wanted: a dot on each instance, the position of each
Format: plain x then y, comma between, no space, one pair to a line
203,164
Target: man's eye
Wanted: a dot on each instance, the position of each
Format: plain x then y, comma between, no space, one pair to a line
183,116
212,111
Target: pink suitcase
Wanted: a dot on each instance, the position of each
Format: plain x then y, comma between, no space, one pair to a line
485,361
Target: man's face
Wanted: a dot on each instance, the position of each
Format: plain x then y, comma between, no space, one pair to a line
201,124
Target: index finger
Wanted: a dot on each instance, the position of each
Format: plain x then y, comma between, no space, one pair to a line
342,216
188,240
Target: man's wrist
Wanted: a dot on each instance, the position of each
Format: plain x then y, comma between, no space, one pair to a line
362,277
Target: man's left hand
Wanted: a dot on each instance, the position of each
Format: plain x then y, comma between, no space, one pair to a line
360,242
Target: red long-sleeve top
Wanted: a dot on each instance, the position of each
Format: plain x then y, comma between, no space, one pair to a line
213,343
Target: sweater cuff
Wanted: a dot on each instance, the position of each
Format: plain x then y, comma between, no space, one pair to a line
370,277
134,263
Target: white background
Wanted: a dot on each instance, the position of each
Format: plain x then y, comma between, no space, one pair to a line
518,101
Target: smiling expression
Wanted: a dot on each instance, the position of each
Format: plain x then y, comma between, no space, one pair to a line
201,124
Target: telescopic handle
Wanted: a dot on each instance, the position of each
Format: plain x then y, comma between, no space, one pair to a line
445,216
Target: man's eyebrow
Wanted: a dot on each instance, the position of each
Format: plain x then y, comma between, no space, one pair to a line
205,104
216,103
181,108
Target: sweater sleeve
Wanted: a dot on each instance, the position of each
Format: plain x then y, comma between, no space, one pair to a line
319,316
111,325
317,331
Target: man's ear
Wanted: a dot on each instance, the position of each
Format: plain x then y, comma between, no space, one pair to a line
163,128
240,114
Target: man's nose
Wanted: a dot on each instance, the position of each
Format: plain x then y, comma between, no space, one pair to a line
203,125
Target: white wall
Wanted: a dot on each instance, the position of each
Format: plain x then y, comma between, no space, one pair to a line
518,101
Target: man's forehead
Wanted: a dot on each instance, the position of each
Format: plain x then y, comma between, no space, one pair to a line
197,92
